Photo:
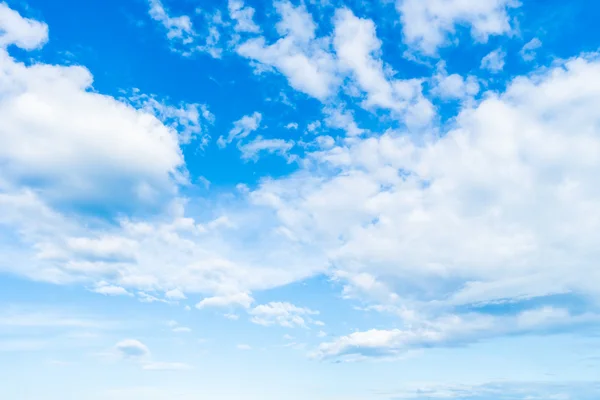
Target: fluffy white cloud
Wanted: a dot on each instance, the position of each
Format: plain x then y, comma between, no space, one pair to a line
427,24
100,146
25,33
358,50
182,36
502,206
283,314
453,86
241,128
178,28
175,294
110,290
108,154
494,61
528,52
446,331
299,55
243,16
131,348
252,149
238,299
189,120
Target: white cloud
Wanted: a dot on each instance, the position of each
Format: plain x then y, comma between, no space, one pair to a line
453,86
283,314
244,347
131,348
25,33
342,119
463,211
110,290
189,120
50,106
428,24
182,36
299,55
494,61
292,125
358,50
243,16
252,149
237,299
528,52
175,294
241,128
178,28
446,331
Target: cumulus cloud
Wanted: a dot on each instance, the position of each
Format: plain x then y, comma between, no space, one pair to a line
241,128
464,211
299,54
358,50
183,37
131,348
175,294
252,149
50,106
28,34
237,299
453,86
528,52
494,61
283,314
110,290
178,28
428,24
243,16
447,331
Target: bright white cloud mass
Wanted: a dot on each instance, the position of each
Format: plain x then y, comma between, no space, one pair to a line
412,182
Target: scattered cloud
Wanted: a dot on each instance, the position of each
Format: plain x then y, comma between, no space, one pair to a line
175,294
528,52
243,17
110,290
25,33
252,149
283,314
302,57
241,129
494,61
447,331
454,86
428,25
131,348
237,299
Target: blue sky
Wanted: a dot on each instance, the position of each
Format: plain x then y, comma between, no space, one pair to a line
316,199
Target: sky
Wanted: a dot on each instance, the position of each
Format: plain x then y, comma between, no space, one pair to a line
299,199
